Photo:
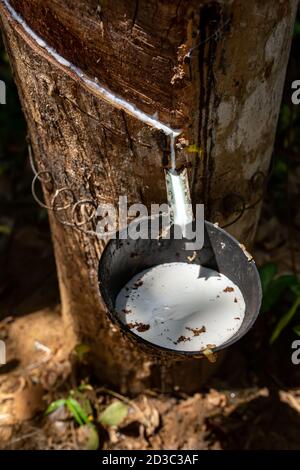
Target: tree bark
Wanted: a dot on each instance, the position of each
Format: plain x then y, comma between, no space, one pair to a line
212,68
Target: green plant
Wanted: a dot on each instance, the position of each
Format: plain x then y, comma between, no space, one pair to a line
81,410
78,405
297,27
275,288
81,350
285,319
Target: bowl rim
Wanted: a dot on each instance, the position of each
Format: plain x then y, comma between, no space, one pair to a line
113,315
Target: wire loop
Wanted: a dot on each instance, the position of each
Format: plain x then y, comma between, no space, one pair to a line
258,181
37,177
79,204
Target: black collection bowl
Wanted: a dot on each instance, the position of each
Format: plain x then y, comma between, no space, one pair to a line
124,258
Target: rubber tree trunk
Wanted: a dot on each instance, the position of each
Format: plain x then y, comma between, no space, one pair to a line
213,68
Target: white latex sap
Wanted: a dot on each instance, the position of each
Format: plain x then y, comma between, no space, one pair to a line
181,306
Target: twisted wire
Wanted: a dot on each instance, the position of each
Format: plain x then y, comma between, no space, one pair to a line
47,177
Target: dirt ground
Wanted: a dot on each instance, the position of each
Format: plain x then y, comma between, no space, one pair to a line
252,402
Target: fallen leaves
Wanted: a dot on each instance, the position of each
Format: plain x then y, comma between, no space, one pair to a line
216,399
210,355
87,438
114,414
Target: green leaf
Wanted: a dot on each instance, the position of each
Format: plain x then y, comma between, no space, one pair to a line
81,350
267,273
194,149
114,414
55,405
5,229
297,28
83,401
285,319
280,169
77,411
297,329
276,289
92,438
296,289
83,387
74,413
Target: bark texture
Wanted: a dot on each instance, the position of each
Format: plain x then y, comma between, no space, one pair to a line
214,68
